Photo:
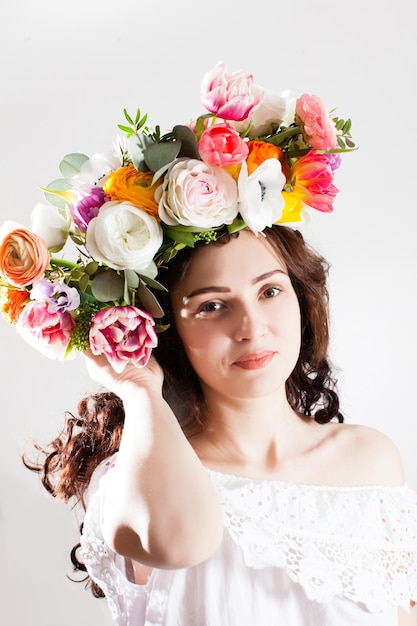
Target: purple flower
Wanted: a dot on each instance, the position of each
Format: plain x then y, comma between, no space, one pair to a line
58,296
334,159
87,207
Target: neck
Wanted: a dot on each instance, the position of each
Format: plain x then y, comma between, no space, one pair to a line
251,433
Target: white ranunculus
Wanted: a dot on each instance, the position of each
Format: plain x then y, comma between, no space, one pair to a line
47,222
197,194
94,171
123,236
260,198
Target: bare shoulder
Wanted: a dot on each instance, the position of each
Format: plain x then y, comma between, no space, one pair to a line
372,457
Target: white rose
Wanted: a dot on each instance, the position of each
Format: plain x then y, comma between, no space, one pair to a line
197,194
260,198
47,222
123,236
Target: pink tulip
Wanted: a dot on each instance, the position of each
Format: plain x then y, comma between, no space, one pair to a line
229,96
222,145
123,334
48,332
312,181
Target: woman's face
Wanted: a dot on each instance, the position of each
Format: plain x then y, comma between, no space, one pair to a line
238,317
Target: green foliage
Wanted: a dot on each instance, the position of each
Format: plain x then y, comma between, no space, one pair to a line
107,286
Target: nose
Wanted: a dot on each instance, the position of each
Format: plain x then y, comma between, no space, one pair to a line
249,323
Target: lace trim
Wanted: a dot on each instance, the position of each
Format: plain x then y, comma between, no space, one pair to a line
357,541
100,560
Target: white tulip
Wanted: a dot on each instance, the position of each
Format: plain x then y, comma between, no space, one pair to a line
50,224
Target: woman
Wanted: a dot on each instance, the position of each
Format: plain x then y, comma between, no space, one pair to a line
264,508
220,483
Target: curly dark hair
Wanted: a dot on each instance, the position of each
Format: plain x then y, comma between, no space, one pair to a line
94,434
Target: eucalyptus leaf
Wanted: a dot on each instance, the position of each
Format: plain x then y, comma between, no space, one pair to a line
149,302
189,144
159,155
59,184
137,146
150,282
107,286
131,278
71,164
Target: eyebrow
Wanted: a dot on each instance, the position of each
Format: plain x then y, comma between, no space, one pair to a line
219,289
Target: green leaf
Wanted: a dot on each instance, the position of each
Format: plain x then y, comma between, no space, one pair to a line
137,146
59,184
339,123
151,282
107,286
349,142
83,282
149,302
131,278
159,155
71,164
91,268
127,116
346,127
185,135
180,235
126,129
340,142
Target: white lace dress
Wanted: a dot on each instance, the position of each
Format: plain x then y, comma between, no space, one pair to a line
291,555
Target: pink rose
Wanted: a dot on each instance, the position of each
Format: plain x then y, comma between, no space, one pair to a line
318,127
222,145
229,96
197,194
123,334
49,333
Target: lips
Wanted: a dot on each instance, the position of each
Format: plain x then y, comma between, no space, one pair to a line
255,360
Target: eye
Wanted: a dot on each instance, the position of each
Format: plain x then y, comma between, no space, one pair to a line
209,307
271,292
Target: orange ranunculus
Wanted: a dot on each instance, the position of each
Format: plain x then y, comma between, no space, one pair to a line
12,303
24,257
260,151
127,184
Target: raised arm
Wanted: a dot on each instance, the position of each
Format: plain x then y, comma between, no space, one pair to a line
159,505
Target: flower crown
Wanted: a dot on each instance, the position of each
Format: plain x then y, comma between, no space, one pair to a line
255,159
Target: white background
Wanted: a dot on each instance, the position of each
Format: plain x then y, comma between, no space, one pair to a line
67,71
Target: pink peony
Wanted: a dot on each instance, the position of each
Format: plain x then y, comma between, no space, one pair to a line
123,334
229,96
222,145
49,333
318,127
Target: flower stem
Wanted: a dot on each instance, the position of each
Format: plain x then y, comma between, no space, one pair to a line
63,263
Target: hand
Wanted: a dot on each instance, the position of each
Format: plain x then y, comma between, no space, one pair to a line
100,370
